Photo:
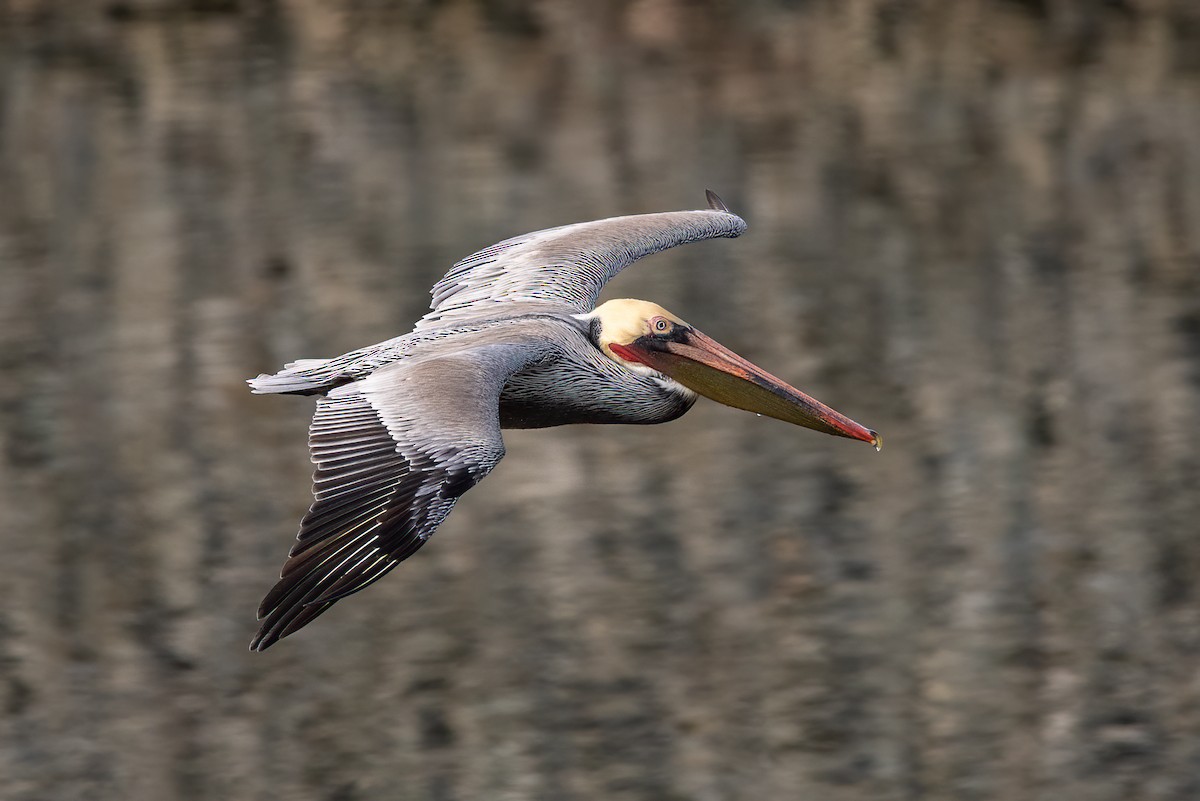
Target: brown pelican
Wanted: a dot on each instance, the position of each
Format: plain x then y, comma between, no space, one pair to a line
514,340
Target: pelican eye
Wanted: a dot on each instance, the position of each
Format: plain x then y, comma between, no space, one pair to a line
660,325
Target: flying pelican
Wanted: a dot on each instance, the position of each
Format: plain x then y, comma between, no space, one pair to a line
514,339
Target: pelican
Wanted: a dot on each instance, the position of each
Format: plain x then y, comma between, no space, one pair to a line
514,339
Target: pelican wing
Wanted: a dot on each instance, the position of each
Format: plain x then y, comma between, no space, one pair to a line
393,452
565,268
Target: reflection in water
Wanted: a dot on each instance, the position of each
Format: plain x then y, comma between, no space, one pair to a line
973,227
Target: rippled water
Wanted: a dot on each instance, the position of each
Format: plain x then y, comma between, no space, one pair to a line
972,227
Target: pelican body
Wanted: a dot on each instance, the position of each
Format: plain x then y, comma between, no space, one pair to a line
514,339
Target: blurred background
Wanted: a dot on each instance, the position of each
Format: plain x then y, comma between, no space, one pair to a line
973,227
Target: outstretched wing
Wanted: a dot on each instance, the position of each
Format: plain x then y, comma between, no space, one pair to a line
394,452
565,268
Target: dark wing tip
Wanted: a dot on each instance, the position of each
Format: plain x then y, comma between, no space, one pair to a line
278,626
715,202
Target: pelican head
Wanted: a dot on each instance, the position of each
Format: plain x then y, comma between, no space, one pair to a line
645,338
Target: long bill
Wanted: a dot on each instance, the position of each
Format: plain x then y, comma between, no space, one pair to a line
705,366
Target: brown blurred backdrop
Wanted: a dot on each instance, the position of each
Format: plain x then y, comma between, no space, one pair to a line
973,226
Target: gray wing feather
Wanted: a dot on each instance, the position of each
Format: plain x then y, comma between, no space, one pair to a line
556,271
565,268
393,453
